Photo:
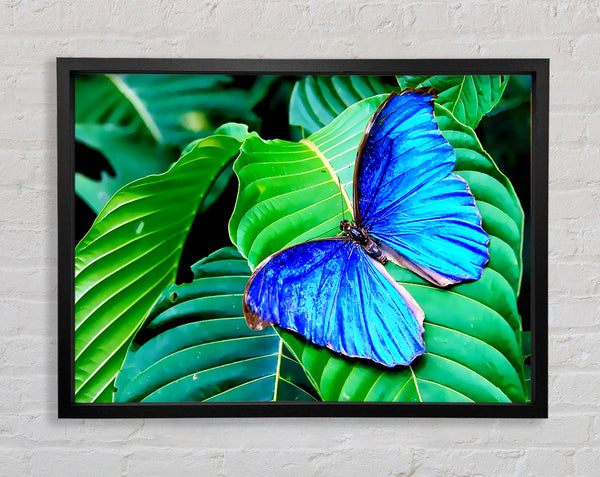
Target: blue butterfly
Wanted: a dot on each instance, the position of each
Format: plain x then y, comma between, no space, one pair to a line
409,208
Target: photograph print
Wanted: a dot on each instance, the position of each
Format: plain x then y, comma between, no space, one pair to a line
307,239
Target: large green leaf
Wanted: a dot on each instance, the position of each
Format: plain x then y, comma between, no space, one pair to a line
195,345
140,121
130,255
317,100
468,98
290,192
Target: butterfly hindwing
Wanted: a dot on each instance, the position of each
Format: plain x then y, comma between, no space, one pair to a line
335,295
408,198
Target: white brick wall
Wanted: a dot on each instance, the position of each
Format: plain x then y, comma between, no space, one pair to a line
34,442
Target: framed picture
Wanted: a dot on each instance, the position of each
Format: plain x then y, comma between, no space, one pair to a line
302,237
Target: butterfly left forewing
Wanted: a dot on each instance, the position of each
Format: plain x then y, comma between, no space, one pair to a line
336,296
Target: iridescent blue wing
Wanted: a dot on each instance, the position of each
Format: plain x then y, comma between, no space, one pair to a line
408,198
335,295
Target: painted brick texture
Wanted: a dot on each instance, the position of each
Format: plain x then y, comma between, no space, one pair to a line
32,440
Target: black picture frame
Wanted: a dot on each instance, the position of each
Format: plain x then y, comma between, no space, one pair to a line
67,68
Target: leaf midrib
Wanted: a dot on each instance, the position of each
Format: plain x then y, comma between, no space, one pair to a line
330,170
458,94
138,104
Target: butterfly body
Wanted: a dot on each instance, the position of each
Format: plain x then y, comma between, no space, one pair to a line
360,236
409,208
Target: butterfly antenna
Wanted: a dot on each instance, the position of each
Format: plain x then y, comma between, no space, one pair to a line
343,209
327,232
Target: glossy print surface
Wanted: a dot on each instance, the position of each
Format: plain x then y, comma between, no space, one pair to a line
335,295
407,196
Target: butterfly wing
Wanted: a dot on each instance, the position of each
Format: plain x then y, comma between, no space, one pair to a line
408,198
335,295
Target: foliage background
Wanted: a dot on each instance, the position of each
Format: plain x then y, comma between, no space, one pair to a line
137,120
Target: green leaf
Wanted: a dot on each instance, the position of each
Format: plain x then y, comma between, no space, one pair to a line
130,255
517,93
317,100
290,193
140,121
468,98
195,345
130,156
239,132
99,101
